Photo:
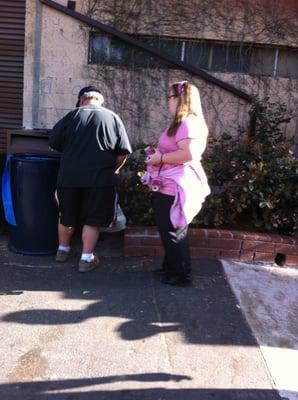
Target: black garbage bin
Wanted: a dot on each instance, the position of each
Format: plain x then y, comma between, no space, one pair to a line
33,185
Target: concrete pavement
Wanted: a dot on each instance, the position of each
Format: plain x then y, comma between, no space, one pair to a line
118,333
268,296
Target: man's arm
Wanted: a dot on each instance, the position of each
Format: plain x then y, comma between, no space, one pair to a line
123,145
120,161
56,137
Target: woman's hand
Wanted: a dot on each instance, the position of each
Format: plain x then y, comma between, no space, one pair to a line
154,159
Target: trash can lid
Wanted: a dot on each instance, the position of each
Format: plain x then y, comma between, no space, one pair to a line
35,157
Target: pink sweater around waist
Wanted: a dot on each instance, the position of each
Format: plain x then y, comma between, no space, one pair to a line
191,190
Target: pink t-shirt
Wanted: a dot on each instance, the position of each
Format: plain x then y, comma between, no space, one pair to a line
190,128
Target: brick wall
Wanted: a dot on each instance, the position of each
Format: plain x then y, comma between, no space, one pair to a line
213,243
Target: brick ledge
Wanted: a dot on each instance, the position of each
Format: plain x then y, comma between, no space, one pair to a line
215,243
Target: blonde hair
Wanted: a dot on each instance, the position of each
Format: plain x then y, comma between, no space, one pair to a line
189,103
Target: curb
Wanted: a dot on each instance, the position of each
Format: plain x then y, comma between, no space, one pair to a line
214,243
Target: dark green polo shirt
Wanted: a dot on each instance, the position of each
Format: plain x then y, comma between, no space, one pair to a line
90,138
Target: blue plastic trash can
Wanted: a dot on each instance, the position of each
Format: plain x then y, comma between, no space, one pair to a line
33,184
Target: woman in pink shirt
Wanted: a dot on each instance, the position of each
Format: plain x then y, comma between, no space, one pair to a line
177,180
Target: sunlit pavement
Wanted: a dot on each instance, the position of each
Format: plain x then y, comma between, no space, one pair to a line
268,297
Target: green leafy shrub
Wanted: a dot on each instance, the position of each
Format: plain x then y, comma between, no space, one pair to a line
257,175
254,179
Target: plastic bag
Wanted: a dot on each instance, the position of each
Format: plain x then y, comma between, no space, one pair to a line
118,223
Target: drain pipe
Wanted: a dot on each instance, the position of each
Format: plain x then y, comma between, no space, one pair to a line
36,65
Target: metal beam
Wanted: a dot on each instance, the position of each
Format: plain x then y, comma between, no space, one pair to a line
144,46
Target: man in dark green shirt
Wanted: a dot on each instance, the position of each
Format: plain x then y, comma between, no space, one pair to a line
94,145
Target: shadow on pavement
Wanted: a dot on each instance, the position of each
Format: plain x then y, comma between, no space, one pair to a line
126,288
205,313
45,390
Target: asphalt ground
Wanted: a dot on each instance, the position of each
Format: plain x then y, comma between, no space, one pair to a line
118,333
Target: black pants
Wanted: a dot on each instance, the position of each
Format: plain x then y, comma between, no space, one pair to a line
175,241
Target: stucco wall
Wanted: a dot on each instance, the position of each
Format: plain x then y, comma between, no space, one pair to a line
56,67
59,59
257,21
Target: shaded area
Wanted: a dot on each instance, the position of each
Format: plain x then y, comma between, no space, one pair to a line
42,391
206,313
126,288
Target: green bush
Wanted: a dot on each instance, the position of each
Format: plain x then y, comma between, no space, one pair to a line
253,178
257,176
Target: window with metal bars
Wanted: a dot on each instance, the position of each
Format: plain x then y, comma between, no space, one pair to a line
208,55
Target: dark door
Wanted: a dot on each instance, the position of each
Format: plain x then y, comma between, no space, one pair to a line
12,36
